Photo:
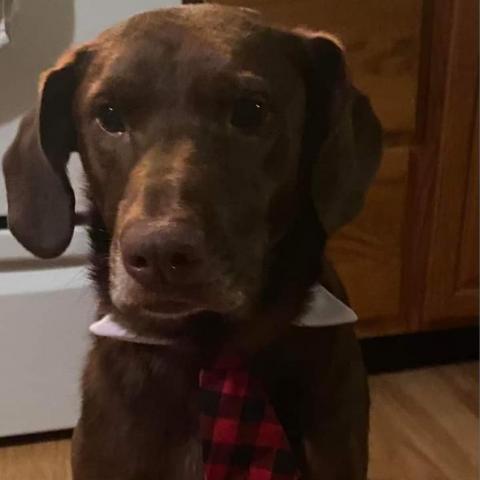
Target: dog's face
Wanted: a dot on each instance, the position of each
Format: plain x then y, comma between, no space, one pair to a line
191,124
191,142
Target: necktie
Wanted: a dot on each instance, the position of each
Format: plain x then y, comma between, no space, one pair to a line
241,434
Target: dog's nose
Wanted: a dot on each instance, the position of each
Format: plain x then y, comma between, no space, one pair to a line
174,254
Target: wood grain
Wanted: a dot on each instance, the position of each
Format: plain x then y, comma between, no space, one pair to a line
442,196
424,425
39,461
467,274
456,190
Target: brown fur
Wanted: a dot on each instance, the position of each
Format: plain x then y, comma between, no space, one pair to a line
174,74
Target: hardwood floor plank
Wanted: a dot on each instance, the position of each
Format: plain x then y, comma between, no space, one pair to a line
39,461
424,426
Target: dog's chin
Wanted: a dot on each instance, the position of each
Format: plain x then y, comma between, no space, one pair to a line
174,317
133,300
169,310
175,324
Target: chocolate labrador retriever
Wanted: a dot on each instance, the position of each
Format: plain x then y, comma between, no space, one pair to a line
220,153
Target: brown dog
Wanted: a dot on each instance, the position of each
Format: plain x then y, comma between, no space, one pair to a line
219,153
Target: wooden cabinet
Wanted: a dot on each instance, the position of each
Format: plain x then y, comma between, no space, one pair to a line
441,250
410,260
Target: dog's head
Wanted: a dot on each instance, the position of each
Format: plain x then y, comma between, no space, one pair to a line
203,134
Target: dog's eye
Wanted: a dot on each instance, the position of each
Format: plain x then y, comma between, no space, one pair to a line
248,114
110,120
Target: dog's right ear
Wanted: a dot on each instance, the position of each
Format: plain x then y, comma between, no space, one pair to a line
40,199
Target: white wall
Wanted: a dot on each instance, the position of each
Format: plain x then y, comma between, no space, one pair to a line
40,30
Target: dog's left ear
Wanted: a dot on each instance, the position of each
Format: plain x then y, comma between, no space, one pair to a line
342,133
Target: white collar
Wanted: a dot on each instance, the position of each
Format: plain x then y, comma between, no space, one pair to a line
324,310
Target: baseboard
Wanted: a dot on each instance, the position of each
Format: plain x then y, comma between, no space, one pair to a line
18,440
403,352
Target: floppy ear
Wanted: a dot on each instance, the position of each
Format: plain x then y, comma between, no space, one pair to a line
348,156
40,198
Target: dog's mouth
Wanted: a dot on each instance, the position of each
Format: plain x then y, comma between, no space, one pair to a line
168,303
164,309
179,321
174,323
172,308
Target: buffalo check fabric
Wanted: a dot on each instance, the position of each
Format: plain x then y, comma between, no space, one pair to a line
241,434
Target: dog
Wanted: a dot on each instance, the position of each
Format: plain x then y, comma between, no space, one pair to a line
220,153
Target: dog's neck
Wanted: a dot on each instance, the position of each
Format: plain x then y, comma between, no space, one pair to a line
100,241
293,266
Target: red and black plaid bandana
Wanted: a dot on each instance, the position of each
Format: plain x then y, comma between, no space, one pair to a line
242,437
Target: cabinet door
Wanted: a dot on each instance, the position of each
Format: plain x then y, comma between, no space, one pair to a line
443,228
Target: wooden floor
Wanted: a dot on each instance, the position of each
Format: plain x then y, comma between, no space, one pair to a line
425,424
424,427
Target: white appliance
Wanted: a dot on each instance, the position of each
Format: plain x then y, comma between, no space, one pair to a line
45,307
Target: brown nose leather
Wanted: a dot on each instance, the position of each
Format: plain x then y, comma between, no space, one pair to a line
173,254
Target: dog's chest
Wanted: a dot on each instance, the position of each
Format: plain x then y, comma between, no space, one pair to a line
158,404
190,462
